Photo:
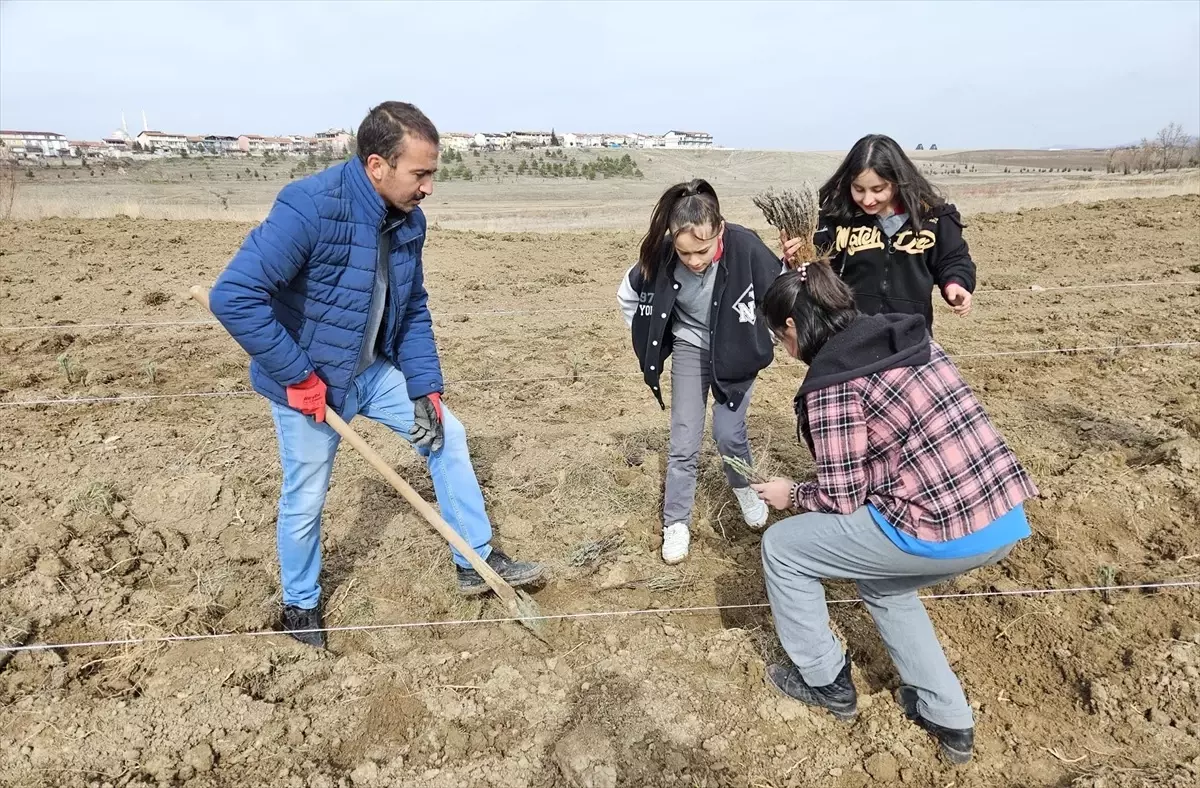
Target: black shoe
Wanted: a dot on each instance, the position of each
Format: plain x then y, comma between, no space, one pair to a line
515,573
840,697
956,743
297,619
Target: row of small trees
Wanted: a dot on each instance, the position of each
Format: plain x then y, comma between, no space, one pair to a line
1170,149
546,166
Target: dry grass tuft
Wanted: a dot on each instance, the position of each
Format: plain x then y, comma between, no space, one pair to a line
669,582
98,497
590,554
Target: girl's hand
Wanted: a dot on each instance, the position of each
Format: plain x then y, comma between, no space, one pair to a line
776,493
958,298
790,247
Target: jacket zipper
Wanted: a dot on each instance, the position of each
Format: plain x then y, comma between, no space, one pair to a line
384,229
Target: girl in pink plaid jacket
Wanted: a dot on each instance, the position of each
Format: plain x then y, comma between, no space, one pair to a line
914,485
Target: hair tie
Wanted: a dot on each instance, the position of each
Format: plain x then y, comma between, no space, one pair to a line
804,271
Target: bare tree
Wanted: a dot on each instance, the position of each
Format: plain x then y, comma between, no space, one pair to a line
1171,144
1145,155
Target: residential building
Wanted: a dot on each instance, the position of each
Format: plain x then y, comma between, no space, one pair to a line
302,146
117,147
257,144
492,141
529,139
457,140
162,142
28,144
336,141
687,139
219,144
79,148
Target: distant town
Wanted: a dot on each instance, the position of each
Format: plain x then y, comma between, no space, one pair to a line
31,145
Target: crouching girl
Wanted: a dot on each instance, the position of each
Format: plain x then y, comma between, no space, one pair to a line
914,485
693,292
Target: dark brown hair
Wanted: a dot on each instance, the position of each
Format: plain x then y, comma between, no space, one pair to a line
884,155
383,130
691,204
816,299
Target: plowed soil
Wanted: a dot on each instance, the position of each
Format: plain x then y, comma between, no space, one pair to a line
154,517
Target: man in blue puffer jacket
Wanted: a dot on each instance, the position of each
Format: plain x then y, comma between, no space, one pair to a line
327,296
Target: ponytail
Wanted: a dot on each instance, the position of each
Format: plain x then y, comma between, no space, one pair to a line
684,205
817,301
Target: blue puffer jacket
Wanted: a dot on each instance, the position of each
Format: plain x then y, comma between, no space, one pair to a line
296,295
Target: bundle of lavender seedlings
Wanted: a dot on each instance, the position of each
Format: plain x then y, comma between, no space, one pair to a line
793,211
745,470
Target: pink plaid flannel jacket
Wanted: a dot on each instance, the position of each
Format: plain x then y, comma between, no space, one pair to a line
916,443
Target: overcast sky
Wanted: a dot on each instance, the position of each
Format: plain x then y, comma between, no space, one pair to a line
811,75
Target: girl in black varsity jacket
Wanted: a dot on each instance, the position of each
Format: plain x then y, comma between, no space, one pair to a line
693,295
889,235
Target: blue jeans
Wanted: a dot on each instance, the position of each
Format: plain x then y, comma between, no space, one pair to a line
306,451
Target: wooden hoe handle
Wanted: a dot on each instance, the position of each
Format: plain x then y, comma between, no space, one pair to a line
431,515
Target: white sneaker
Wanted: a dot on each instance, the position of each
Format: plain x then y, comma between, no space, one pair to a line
754,510
676,540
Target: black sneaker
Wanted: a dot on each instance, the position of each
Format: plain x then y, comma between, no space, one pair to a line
956,744
515,573
297,619
840,697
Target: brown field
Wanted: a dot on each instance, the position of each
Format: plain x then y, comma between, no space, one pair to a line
148,518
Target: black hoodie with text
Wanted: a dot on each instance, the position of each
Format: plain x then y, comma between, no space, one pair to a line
896,274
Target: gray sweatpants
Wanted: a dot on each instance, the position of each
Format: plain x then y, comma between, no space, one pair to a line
691,380
799,551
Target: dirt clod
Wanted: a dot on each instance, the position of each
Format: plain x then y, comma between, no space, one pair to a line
882,767
586,759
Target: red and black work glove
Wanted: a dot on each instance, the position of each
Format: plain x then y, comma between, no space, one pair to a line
308,397
427,431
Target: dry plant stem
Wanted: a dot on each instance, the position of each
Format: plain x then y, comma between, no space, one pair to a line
795,212
745,470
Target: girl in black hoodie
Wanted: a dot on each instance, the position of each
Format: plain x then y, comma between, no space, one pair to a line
889,235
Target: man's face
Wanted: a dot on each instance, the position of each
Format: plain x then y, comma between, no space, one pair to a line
408,178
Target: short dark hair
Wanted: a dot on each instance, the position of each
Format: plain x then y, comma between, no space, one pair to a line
816,299
884,155
383,130
691,204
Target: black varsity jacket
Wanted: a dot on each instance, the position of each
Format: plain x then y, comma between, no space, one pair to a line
739,341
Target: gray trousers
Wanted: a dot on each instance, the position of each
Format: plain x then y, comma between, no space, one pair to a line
799,551
691,380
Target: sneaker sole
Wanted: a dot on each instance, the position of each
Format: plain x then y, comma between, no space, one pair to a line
517,582
955,757
674,561
307,638
840,716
